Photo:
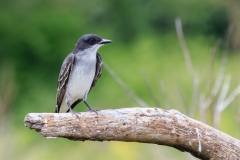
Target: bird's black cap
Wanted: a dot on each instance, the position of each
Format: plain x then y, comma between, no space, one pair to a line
89,40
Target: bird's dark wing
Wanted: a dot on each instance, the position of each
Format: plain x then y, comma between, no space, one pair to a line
63,79
75,103
98,71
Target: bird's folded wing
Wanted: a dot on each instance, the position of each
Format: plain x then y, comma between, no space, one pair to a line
98,71
63,79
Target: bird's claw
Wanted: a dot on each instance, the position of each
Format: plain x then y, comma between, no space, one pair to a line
91,110
74,113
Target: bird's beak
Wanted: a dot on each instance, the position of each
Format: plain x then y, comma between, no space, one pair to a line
105,41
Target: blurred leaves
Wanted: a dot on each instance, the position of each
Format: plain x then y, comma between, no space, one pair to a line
7,90
35,36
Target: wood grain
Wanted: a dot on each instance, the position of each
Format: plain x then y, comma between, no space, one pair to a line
145,125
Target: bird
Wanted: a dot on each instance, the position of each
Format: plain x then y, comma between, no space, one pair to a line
79,73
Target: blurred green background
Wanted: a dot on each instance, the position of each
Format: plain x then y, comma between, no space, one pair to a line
35,37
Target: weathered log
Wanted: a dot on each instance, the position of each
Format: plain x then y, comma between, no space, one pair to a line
146,125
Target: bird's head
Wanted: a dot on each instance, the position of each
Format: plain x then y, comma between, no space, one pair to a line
90,42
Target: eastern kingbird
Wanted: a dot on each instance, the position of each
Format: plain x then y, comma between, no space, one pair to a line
79,73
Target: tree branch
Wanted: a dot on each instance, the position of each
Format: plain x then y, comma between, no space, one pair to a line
145,125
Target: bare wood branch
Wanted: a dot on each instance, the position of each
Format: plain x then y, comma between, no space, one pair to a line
224,101
189,65
223,93
178,24
145,125
214,90
230,98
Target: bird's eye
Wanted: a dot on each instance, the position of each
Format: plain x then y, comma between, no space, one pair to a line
92,40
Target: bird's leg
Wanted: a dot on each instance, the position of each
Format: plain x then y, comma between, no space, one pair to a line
90,109
70,109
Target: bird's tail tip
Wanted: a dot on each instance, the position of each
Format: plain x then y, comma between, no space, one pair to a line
56,109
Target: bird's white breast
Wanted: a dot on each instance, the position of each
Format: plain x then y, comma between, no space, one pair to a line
81,77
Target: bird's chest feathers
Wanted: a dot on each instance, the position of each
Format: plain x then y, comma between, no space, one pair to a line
81,77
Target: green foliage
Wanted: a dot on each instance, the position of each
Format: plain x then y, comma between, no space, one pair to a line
35,36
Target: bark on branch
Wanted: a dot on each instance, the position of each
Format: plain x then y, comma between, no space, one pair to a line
146,125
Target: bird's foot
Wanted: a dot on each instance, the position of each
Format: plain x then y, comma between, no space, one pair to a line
74,113
91,110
